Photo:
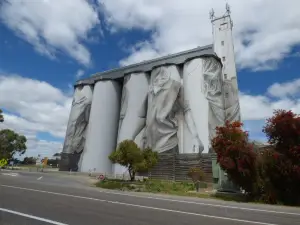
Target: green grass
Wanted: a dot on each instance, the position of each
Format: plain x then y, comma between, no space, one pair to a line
183,188
153,186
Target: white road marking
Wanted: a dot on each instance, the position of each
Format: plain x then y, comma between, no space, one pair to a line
141,206
40,178
32,217
10,174
202,203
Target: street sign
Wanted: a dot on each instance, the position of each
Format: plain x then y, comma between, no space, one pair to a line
101,177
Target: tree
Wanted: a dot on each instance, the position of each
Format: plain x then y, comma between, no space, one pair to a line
281,164
11,143
29,160
197,175
235,155
1,116
128,154
150,159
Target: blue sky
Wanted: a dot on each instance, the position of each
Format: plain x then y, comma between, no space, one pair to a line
45,46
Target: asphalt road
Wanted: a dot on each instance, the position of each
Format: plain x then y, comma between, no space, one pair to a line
35,198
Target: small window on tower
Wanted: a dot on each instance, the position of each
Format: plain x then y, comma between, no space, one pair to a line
224,26
222,43
225,76
223,58
226,95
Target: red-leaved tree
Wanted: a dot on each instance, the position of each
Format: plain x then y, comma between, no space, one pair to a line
235,155
281,165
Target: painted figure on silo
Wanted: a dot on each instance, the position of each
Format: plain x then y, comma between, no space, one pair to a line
213,100
222,95
76,129
231,98
212,89
164,103
133,111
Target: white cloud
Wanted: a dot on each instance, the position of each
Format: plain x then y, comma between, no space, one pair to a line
79,74
261,107
34,106
264,31
34,145
42,147
287,89
42,107
255,109
140,52
53,26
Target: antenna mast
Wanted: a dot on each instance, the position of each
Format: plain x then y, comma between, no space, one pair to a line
212,14
228,11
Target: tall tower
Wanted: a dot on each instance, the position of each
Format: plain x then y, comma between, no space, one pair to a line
223,42
223,47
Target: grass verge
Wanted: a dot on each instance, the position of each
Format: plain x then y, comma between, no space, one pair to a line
167,187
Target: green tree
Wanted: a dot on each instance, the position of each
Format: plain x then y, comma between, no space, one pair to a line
1,116
128,154
11,143
150,159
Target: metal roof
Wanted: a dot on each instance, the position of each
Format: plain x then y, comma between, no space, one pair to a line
146,66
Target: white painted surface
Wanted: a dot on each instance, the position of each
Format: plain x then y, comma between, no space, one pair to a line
133,111
31,217
192,81
224,48
103,127
10,174
222,32
181,130
182,125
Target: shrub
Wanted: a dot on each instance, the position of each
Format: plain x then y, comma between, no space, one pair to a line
235,155
128,154
197,175
281,164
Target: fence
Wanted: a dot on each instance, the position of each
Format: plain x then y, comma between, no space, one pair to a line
176,166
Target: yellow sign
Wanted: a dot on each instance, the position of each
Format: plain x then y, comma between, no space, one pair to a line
3,162
45,160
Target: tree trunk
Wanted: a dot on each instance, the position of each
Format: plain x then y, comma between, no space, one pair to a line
197,184
131,173
132,177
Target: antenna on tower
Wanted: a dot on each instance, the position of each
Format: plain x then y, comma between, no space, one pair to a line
211,14
228,11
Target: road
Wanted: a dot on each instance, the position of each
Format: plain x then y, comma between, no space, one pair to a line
40,198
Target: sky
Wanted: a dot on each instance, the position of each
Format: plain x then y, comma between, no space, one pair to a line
46,45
